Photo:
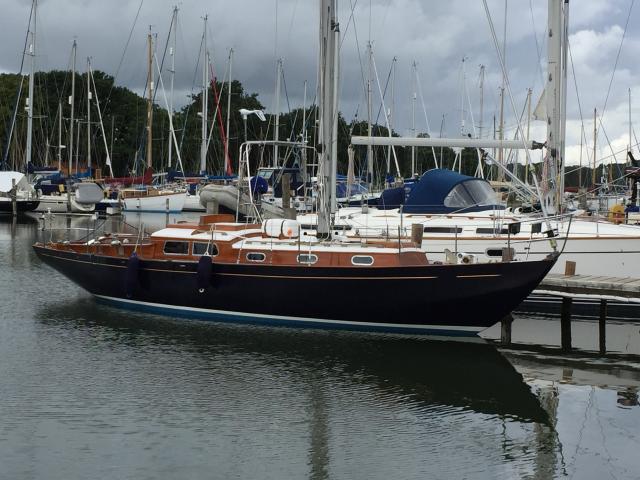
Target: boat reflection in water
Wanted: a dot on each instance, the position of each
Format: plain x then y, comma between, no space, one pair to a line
328,394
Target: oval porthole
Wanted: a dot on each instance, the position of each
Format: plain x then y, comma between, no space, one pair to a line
307,259
256,257
362,260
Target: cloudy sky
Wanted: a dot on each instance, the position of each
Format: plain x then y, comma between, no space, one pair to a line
437,35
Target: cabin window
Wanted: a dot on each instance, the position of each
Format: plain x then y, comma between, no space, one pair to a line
470,193
492,231
362,260
201,248
176,248
497,252
442,230
308,259
256,257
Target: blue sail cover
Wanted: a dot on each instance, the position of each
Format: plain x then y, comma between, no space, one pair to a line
445,191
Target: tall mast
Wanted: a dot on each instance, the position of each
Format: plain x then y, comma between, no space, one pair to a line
564,47
172,52
630,127
526,167
88,113
328,114
304,136
227,158
276,129
60,136
370,116
595,146
554,92
150,102
481,120
30,105
413,116
392,110
205,99
72,103
502,90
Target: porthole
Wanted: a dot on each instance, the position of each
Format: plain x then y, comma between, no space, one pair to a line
307,259
256,257
362,260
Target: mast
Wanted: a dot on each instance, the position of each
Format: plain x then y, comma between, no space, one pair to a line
227,158
630,127
595,146
276,130
30,104
370,118
172,52
88,113
72,103
328,102
481,120
392,110
526,167
554,94
304,137
60,136
150,102
413,117
104,135
205,99
502,90
564,42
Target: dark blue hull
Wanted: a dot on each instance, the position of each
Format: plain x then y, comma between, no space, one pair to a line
444,299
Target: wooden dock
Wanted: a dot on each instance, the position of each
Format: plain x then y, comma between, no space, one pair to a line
570,286
611,288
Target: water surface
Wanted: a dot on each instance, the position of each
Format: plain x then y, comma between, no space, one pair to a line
89,391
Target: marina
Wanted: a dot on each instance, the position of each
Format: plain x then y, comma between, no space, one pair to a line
196,283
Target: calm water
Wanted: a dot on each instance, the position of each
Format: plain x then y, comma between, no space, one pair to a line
88,391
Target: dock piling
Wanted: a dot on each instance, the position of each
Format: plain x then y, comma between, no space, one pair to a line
213,207
565,324
602,326
505,333
417,233
570,268
14,198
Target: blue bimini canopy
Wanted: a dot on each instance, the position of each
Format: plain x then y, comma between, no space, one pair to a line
445,191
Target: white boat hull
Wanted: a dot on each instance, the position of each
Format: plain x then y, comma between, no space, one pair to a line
227,196
598,248
161,203
62,204
192,204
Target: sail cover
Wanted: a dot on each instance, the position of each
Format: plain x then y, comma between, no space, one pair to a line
6,181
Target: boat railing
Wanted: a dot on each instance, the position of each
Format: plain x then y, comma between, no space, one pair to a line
86,228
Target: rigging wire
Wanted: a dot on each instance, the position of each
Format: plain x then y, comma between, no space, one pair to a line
124,53
615,66
535,36
15,109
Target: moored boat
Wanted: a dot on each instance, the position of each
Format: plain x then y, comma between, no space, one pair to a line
16,194
153,199
270,273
